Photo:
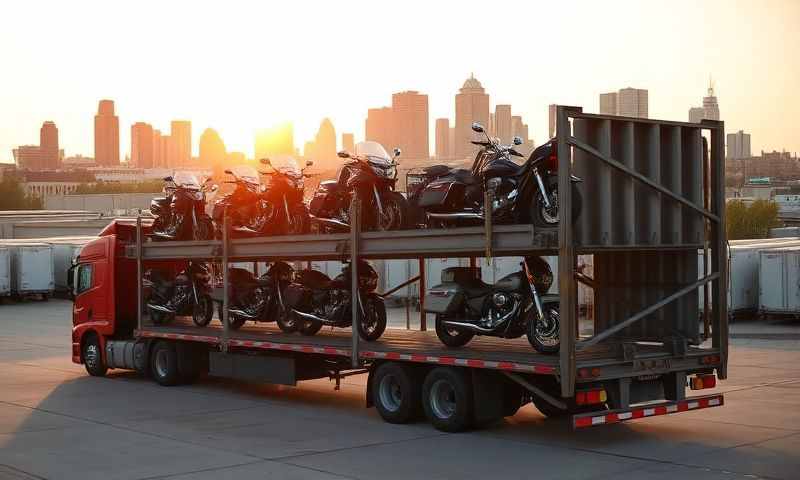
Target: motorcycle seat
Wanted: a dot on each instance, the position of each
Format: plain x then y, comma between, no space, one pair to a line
464,176
476,288
314,279
437,170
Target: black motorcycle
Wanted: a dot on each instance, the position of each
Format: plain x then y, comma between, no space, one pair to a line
526,193
180,213
247,209
316,300
516,305
371,175
260,299
284,196
187,293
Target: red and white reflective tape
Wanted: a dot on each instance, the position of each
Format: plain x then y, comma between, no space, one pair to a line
290,347
462,362
617,416
178,336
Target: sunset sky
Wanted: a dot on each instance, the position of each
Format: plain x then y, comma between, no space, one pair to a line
241,66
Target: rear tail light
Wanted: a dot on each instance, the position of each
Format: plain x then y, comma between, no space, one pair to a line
710,360
591,397
552,162
700,382
587,373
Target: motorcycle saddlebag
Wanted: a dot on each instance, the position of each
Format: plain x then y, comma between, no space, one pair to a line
324,195
444,298
440,193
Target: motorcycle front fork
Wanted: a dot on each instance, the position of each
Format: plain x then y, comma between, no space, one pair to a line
534,293
540,182
377,200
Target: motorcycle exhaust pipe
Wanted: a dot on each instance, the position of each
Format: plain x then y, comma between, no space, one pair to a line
241,313
468,326
311,316
456,216
331,222
160,308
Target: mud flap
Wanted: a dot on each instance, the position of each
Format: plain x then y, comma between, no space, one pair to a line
488,388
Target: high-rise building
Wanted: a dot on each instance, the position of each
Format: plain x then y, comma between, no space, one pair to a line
48,144
442,138
28,157
627,102
552,112
738,145
348,142
181,133
158,162
518,129
608,103
212,150
308,150
325,144
696,114
379,126
106,135
502,123
278,140
168,151
472,105
410,121
142,147
709,110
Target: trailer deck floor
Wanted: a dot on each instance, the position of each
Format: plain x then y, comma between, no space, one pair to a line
488,352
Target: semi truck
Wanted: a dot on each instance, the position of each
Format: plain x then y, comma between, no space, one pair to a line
648,354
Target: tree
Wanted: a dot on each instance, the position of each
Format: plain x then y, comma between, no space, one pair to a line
754,221
13,197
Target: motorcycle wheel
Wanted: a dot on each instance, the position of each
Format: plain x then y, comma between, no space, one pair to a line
545,217
395,212
372,324
205,228
450,336
310,327
287,322
299,223
235,322
202,311
543,332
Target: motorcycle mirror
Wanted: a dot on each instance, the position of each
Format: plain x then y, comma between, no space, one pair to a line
228,171
265,161
214,188
309,163
517,141
168,178
397,151
343,154
477,127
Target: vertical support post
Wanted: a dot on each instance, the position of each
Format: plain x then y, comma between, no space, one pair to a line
225,282
355,297
566,258
719,255
423,318
706,224
488,197
139,299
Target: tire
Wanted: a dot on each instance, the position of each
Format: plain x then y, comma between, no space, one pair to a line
205,228
161,318
203,311
397,392
93,356
513,400
288,322
164,364
299,224
544,218
447,399
372,325
235,322
395,207
450,337
543,334
309,327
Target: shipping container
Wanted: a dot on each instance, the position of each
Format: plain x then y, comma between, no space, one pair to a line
5,272
782,232
31,269
779,291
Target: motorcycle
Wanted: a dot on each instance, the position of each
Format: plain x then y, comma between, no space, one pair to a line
260,298
180,213
516,305
248,211
188,293
526,193
316,300
284,196
371,175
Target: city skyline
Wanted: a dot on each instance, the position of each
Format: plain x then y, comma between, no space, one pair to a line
237,106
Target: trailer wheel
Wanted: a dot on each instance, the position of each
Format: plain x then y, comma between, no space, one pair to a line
397,393
93,356
447,399
164,363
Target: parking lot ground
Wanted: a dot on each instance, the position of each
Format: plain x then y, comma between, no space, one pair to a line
56,422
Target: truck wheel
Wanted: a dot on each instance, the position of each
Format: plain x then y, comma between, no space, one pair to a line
164,364
93,357
396,393
203,311
447,399
450,336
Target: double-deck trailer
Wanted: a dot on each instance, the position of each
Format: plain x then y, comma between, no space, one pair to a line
653,198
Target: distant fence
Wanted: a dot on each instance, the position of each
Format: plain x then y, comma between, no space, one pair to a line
105,203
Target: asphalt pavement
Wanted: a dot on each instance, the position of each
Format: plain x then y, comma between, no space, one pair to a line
57,422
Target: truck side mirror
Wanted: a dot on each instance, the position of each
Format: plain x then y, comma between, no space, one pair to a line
72,279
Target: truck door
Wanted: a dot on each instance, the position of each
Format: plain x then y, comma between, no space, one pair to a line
92,289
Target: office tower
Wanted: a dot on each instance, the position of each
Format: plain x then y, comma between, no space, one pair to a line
518,129
410,121
181,133
106,135
141,145
28,157
696,114
325,144
379,126
442,138
552,112
502,123
169,152
738,145
472,105
157,160
348,142
48,145
308,150
608,103
211,149
278,140
710,105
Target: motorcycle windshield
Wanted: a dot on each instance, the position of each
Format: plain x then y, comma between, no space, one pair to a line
186,180
247,174
374,152
286,165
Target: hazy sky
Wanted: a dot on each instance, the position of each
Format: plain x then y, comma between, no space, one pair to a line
239,66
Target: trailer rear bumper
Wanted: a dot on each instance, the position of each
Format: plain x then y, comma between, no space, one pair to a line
606,417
